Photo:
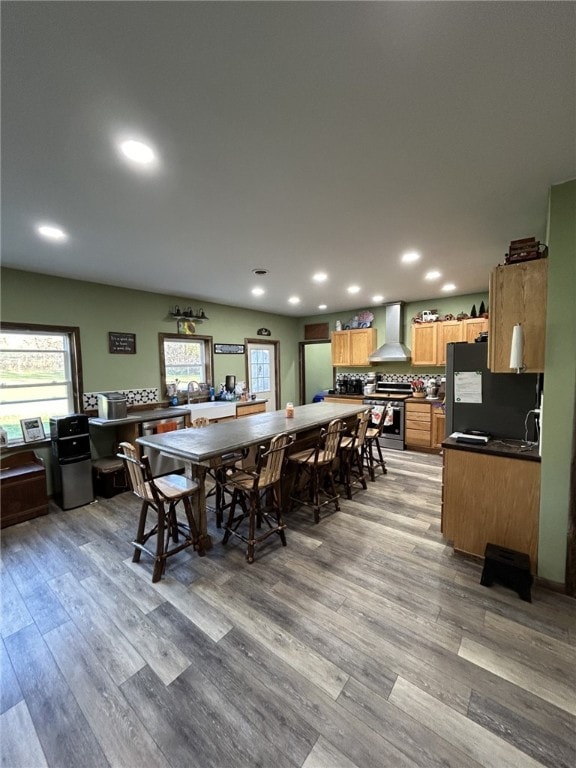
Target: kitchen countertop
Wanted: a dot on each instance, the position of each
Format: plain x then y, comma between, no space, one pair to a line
507,448
136,417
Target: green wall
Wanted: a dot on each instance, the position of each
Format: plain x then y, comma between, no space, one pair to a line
97,309
559,383
446,305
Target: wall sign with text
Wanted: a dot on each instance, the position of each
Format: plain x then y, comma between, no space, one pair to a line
228,349
121,343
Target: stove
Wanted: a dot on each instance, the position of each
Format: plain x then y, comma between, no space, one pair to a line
393,390
391,395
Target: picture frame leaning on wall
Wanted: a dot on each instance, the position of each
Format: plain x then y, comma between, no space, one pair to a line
32,429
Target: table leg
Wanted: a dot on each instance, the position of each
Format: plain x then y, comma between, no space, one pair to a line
197,472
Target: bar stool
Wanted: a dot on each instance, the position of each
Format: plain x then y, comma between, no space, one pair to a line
258,494
374,431
314,481
156,493
351,455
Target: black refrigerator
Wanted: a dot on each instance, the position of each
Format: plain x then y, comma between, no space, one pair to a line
506,398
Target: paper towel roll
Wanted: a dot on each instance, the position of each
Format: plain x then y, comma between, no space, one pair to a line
517,348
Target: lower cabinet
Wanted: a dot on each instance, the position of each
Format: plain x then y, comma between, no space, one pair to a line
490,499
23,491
249,409
418,424
438,426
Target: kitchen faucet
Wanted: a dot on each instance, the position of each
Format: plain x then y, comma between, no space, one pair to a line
192,387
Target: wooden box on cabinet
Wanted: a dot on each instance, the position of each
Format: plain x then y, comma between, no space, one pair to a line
353,347
518,294
23,493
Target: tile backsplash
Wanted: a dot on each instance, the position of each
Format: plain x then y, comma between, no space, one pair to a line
146,396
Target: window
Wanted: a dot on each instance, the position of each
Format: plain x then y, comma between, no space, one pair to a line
184,359
40,374
260,370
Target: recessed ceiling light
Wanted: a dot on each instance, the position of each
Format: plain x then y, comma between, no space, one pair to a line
410,257
138,152
353,288
260,271
322,306
432,275
377,299
320,277
294,300
449,287
51,232
257,291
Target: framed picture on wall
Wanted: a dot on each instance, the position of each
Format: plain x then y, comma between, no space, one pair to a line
186,327
32,429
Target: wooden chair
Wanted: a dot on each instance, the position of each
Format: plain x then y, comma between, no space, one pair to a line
157,493
351,455
314,481
372,443
258,494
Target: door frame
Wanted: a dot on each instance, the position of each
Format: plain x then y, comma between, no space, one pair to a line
276,345
302,366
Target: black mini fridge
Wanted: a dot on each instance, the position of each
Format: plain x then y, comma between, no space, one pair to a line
71,461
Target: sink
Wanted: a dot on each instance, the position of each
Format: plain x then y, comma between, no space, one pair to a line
212,410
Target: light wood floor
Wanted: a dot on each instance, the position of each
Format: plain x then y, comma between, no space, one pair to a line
365,642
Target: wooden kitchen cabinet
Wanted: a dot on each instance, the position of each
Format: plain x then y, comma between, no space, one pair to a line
490,499
249,409
418,424
353,347
518,294
429,340
424,344
448,331
473,327
438,426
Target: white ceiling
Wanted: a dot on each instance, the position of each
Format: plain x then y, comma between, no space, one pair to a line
296,136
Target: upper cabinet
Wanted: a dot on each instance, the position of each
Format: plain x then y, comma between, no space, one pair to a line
429,340
518,295
353,347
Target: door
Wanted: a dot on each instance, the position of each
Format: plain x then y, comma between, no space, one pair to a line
316,372
263,372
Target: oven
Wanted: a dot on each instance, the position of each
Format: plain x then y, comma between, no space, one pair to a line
391,395
394,421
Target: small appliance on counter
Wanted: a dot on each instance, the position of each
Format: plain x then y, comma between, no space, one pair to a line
112,405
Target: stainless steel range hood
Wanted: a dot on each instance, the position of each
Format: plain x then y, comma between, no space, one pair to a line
393,350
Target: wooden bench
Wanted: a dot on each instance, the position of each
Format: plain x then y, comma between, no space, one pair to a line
23,492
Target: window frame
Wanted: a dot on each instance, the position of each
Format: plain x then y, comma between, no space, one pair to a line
208,355
75,352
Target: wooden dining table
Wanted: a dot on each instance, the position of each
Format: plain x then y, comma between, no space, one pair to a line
203,448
